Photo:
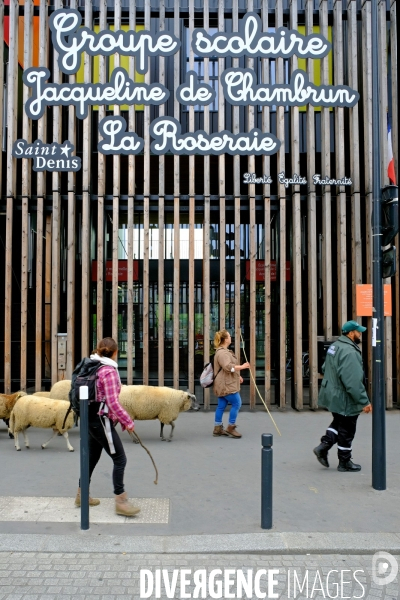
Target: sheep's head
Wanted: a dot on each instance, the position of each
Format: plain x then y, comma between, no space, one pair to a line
12,399
190,402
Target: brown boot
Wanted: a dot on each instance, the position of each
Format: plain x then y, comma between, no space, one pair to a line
219,430
92,501
231,431
124,507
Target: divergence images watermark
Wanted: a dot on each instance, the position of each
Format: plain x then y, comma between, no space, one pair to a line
384,568
269,583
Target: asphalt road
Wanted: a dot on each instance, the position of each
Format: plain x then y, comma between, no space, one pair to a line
213,484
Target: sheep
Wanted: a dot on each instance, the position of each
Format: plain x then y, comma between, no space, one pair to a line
34,411
144,402
7,402
60,390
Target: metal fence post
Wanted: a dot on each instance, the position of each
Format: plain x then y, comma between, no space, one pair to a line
84,430
266,481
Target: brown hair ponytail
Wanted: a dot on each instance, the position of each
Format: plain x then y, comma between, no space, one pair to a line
106,347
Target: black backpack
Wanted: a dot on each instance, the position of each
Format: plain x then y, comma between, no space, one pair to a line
85,373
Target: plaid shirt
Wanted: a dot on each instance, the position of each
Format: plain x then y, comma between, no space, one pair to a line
108,389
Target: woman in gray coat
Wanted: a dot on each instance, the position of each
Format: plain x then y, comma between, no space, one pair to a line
226,384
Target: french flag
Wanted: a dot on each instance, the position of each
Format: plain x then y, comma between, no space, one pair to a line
390,169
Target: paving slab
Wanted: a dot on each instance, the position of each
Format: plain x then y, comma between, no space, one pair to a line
26,509
117,576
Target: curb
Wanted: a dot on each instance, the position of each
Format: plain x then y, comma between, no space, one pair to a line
257,543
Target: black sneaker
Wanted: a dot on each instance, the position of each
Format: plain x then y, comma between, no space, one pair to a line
321,452
348,465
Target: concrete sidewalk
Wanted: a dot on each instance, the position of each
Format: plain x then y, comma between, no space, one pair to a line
213,487
242,543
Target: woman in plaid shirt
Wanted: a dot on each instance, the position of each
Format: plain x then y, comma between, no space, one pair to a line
103,415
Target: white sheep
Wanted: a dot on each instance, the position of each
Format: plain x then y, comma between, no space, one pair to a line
144,402
34,411
59,391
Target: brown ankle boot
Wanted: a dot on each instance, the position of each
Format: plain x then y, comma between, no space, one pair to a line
92,501
231,431
124,507
219,430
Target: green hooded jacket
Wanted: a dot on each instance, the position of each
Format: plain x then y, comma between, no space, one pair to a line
342,388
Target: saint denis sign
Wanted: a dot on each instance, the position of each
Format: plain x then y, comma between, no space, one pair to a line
239,87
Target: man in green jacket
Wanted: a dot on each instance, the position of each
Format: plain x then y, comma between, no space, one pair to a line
344,394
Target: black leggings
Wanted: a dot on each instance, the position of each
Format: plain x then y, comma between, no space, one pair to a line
98,441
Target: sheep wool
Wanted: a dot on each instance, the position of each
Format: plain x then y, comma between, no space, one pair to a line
7,402
36,411
60,390
145,402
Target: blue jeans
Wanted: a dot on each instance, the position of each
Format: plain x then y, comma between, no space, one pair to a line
236,402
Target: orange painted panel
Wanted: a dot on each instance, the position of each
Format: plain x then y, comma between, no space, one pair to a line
364,297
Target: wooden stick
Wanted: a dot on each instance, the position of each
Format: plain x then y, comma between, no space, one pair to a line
267,227
296,251
131,199
280,134
12,98
221,183
41,191
133,433
356,241
146,220
161,225
251,167
191,323
326,192
71,246
206,227
26,193
176,294
56,230
116,193
101,190
340,167
312,230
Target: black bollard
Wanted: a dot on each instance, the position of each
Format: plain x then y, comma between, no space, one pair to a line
84,416
266,481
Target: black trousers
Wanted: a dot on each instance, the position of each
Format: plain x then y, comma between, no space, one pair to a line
341,432
98,442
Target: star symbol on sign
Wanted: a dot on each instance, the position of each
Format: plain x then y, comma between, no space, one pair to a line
65,149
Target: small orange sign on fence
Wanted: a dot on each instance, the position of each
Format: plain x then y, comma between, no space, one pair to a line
364,295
